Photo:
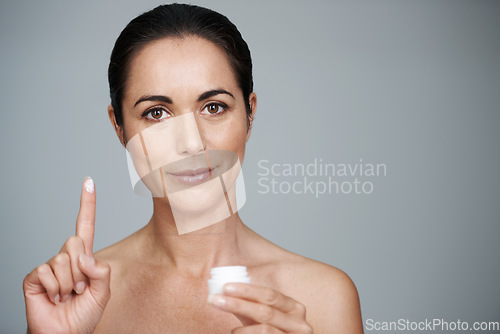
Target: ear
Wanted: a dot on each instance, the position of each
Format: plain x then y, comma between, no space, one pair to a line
118,128
253,107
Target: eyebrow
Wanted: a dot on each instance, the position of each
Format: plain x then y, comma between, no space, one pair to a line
166,99
156,98
213,92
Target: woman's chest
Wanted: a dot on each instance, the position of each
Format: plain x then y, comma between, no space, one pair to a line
145,305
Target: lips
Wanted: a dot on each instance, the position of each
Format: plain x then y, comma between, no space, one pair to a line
191,172
192,176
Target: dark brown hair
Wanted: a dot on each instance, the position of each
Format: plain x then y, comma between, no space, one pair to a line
178,20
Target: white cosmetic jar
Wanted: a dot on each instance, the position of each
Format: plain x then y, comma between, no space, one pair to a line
223,275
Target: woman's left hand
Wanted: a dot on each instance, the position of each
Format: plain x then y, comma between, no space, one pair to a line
262,310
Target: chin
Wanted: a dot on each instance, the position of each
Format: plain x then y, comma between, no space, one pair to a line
199,199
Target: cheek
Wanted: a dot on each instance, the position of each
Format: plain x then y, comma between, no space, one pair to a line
131,127
229,135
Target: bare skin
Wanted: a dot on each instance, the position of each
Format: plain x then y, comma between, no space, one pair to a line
328,294
158,279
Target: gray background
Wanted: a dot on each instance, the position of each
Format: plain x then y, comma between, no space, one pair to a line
412,84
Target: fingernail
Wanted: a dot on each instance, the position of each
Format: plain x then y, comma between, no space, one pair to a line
86,260
230,288
80,287
57,299
217,300
65,298
89,184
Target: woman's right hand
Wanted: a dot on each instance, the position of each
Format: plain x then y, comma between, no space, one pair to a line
68,294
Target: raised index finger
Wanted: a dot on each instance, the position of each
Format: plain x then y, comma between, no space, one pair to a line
85,222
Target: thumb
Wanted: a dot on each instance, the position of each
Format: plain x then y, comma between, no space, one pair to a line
99,274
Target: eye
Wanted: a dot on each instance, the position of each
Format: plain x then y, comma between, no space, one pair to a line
156,114
214,109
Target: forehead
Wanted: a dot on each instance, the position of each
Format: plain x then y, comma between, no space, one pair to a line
179,67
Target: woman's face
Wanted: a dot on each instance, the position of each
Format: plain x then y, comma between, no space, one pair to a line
182,96
183,70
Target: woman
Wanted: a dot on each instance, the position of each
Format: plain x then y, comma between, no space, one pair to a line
189,66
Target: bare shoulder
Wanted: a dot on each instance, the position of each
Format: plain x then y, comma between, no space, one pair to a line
119,255
120,250
329,295
114,252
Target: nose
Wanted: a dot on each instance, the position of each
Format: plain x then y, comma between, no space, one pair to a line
187,136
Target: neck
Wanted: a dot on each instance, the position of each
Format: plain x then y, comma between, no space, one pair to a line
197,251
